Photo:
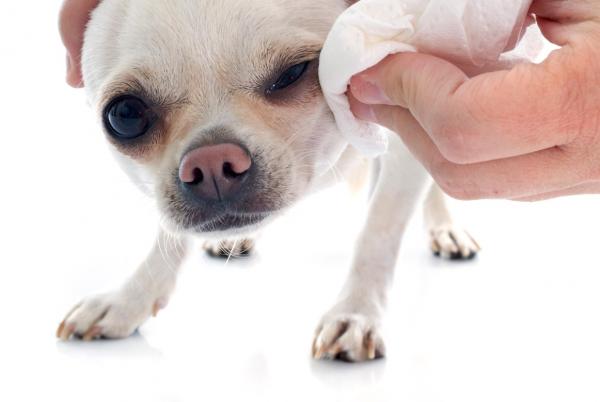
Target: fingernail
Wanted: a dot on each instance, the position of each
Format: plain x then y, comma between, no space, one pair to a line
363,111
368,92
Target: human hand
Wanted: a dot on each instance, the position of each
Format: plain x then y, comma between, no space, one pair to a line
74,17
529,133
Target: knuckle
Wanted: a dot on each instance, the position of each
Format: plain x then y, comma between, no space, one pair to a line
575,75
461,193
585,162
456,183
462,122
439,168
452,142
594,173
396,84
456,151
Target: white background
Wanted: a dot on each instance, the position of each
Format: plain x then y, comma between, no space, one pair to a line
518,324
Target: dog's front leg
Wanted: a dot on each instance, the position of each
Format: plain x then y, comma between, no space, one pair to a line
350,331
119,313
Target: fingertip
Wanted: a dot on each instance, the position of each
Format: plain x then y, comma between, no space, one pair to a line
361,110
367,91
385,83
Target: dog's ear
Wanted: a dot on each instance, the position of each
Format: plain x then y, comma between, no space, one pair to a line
351,2
74,17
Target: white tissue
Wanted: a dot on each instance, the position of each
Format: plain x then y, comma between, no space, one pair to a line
471,33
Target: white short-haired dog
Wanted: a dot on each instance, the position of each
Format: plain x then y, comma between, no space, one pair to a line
215,106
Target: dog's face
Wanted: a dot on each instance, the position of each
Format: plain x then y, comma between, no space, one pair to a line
214,107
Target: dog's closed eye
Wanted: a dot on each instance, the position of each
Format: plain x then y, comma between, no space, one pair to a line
289,77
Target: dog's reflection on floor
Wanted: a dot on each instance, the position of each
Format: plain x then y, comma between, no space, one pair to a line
339,375
134,347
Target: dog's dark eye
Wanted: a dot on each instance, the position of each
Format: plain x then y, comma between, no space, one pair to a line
128,117
290,76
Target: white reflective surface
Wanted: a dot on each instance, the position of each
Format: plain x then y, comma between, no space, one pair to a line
518,324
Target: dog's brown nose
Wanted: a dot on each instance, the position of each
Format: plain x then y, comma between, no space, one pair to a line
215,172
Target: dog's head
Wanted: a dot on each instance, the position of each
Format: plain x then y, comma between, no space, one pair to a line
214,107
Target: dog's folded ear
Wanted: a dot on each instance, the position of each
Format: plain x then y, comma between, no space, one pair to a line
351,2
74,17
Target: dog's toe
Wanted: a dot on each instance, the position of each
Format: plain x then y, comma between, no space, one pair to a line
349,338
113,316
229,248
453,243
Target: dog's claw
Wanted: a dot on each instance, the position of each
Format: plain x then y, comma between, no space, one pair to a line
60,329
371,347
92,334
158,306
112,316
319,353
65,331
450,242
335,350
350,339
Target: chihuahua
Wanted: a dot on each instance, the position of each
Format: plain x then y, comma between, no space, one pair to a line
214,109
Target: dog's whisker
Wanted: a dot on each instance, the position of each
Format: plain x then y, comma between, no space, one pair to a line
231,251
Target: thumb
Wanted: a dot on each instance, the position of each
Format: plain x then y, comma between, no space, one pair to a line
490,116
406,80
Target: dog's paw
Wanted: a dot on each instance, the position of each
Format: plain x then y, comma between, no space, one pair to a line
110,316
350,338
451,242
229,248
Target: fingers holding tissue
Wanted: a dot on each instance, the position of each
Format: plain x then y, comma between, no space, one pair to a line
528,132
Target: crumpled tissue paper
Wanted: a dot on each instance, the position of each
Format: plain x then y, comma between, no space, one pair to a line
474,34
